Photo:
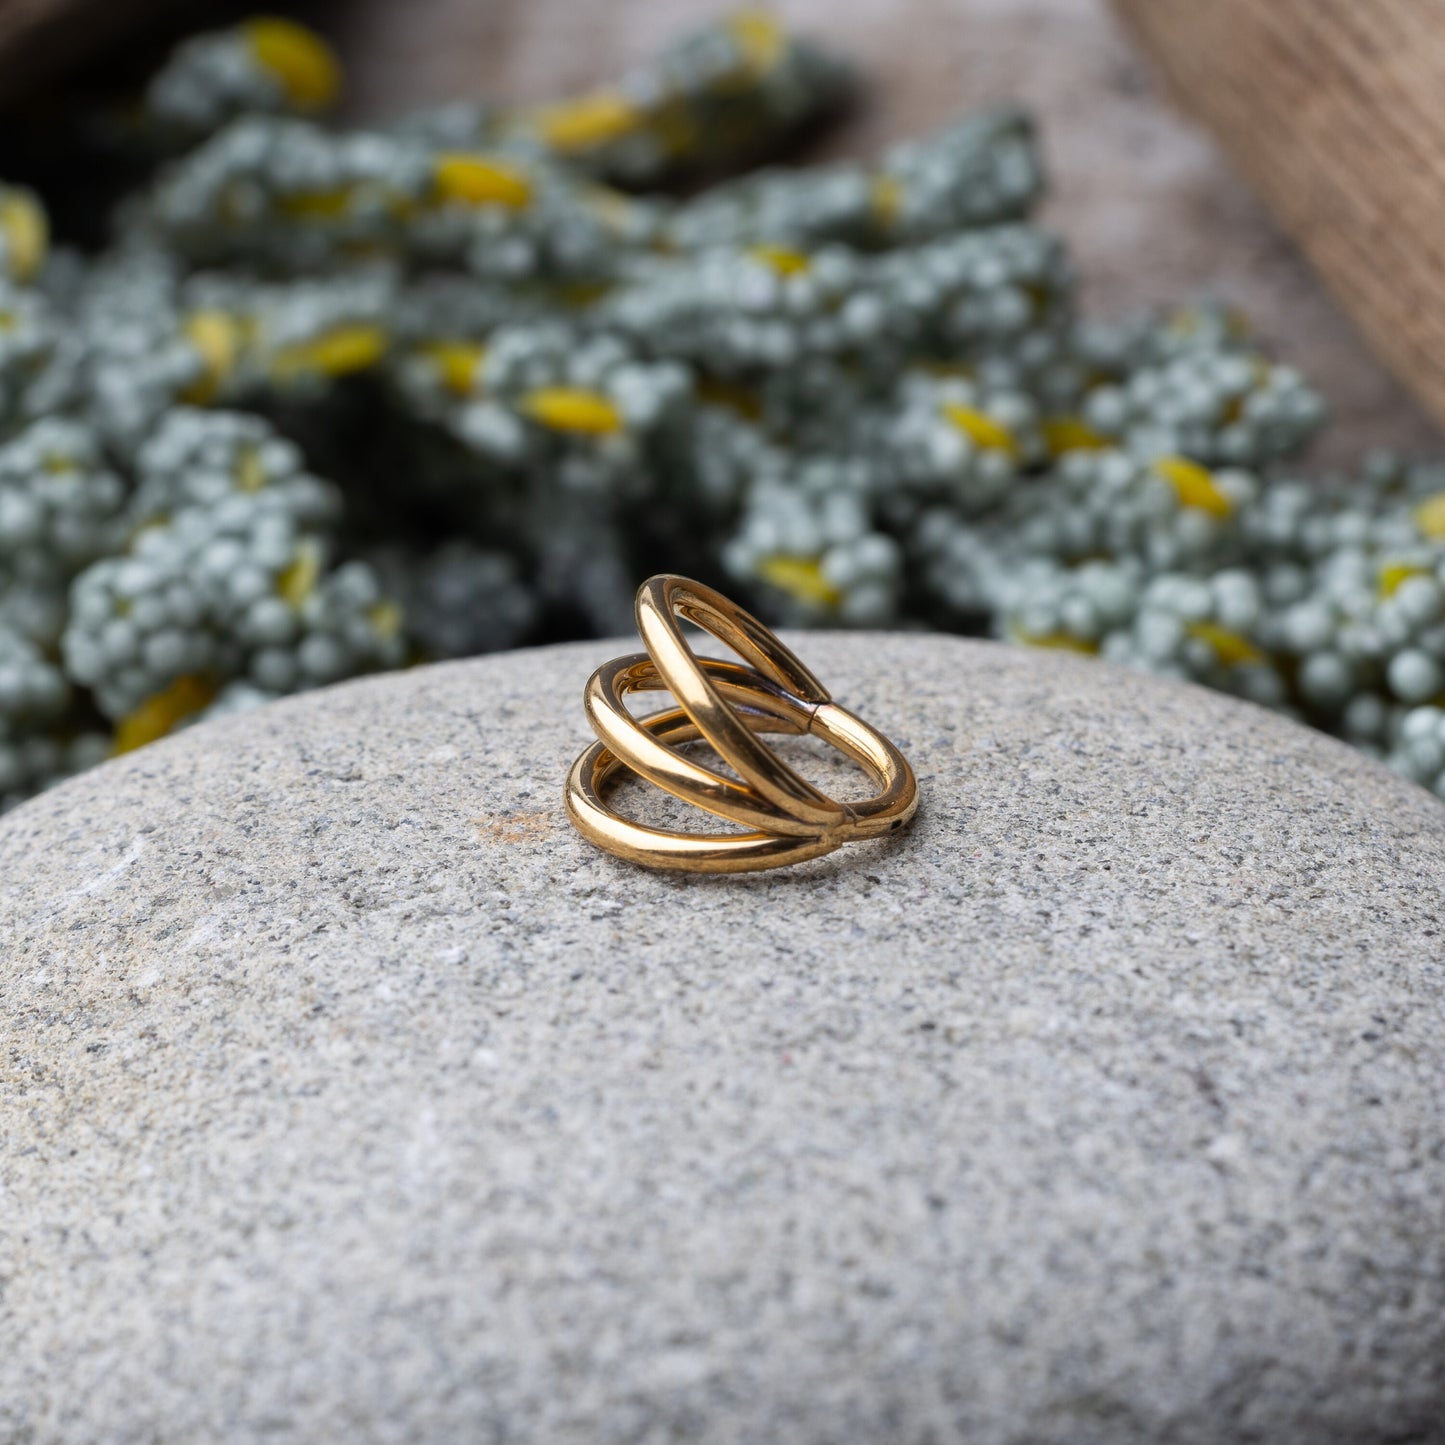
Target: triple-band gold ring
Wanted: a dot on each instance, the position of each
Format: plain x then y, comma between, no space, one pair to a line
726,704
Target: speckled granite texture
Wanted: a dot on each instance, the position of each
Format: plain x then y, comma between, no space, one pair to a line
346,1095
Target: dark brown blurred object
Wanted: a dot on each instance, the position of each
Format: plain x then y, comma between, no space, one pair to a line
1333,110
40,39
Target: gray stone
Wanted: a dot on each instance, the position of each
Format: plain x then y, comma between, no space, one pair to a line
346,1094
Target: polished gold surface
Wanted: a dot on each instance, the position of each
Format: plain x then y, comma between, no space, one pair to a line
728,705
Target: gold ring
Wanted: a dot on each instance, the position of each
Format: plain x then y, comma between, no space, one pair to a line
728,705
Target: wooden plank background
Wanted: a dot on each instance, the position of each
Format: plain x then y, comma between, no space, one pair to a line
1333,110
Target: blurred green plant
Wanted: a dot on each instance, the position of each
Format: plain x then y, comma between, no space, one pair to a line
860,394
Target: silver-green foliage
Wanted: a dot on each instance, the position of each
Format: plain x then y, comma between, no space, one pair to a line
860,393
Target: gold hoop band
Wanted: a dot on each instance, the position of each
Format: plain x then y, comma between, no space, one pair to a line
728,705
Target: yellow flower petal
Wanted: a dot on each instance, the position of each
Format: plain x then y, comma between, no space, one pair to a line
1231,648
250,474
457,363
386,619
1394,573
302,63
299,580
885,196
158,715
218,336
1193,485
480,181
981,428
801,578
1430,517
334,353
316,205
570,409
760,38
587,122
1071,434
783,260
1060,641
26,234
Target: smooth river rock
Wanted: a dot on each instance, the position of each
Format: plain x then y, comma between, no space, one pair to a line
345,1094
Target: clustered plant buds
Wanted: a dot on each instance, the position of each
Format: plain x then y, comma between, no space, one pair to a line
858,394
